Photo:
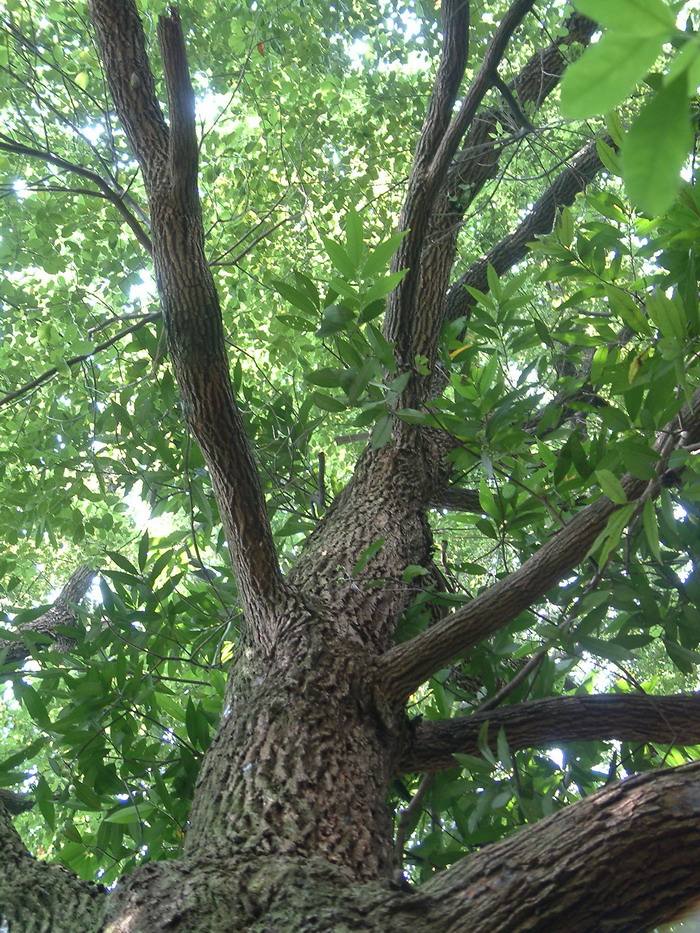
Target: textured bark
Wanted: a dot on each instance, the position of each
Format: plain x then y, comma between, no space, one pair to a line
289,829
672,720
48,624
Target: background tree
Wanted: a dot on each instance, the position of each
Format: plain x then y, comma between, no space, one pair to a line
420,561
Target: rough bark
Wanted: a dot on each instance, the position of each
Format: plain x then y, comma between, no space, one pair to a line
289,829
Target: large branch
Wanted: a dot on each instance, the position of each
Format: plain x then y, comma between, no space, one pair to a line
408,665
437,146
623,861
48,624
42,897
671,720
191,309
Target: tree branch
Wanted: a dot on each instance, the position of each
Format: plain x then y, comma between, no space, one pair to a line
582,169
671,720
81,358
105,188
60,613
408,665
623,860
191,308
33,894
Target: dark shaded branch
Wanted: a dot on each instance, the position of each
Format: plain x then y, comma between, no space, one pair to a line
408,665
191,308
582,169
418,328
33,894
60,613
671,720
411,321
106,190
623,860
455,499
81,358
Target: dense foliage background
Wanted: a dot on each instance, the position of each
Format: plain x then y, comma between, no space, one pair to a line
559,378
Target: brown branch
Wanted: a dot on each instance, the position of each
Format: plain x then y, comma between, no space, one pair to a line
582,169
408,665
60,613
454,499
670,720
106,190
191,307
33,894
73,360
623,859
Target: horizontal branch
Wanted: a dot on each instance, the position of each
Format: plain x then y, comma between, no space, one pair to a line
408,665
670,720
34,894
80,358
624,860
456,499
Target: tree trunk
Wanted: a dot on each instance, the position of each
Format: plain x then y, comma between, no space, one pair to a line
290,830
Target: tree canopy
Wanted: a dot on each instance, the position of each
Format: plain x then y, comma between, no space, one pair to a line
350,488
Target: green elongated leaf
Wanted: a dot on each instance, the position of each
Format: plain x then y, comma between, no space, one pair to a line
327,402
340,259
651,528
336,318
33,703
295,297
656,147
328,377
609,158
605,649
600,358
606,74
634,17
379,258
411,415
381,433
43,795
667,314
354,237
131,814
143,550
366,555
382,287
611,486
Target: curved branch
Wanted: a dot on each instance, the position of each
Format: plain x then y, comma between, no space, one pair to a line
671,720
582,169
408,665
593,866
105,188
73,360
190,302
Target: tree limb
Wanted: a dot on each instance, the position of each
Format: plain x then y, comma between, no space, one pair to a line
60,613
81,358
623,860
191,308
581,169
105,188
671,720
408,665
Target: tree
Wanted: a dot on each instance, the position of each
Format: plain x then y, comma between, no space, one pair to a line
356,658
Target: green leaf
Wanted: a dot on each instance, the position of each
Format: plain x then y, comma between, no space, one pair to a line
131,814
340,259
606,74
651,528
354,237
380,256
656,147
634,17
328,377
367,555
295,297
611,486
